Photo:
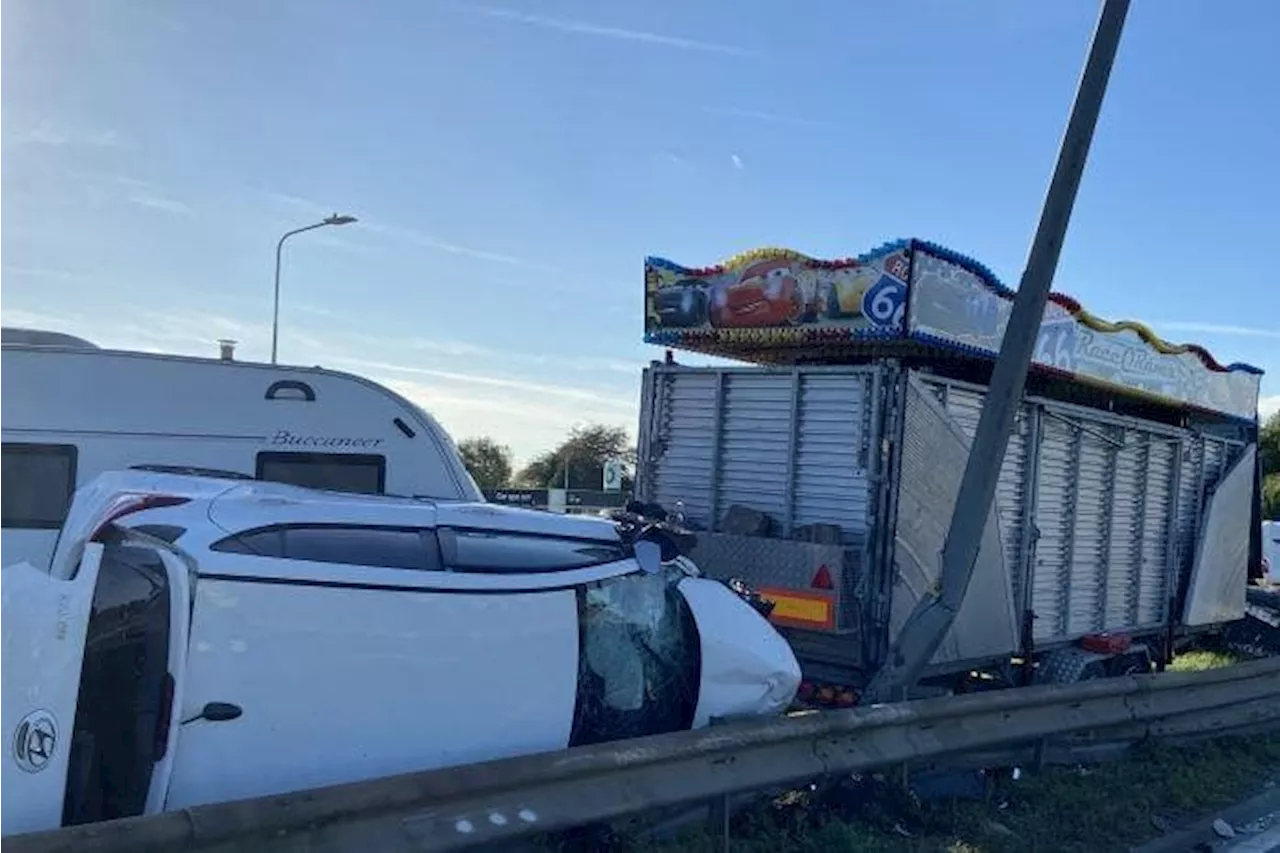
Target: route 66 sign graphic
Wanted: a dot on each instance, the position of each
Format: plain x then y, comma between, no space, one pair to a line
884,302
35,740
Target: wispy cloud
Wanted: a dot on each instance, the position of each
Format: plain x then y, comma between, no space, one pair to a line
52,134
295,201
737,161
1268,406
472,389
1218,329
601,31
429,241
576,394
541,424
153,201
762,115
48,274
370,224
109,178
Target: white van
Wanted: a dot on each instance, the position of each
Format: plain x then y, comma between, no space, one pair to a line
198,640
72,411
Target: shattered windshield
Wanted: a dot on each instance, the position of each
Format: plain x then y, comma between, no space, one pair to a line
640,662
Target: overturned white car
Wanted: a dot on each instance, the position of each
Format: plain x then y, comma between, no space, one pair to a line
199,640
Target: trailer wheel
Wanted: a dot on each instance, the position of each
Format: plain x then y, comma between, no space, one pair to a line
1069,665
1130,663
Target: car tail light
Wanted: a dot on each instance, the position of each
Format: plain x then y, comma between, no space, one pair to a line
132,505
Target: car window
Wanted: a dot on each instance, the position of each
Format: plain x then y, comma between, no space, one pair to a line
502,551
356,545
364,546
123,685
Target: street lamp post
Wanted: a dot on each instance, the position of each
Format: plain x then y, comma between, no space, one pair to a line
335,219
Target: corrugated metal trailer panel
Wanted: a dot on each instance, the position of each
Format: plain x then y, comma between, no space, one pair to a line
1203,461
679,463
1084,502
755,442
964,403
934,455
1090,537
1058,461
831,484
1157,548
1098,513
1105,492
792,443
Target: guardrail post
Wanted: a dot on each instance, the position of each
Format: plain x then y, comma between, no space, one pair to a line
718,819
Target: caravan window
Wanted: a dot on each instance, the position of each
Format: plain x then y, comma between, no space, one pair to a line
339,472
39,480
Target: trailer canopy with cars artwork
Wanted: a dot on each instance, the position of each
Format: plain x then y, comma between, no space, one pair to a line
778,306
825,469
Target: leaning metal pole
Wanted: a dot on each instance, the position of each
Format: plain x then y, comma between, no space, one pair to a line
934,614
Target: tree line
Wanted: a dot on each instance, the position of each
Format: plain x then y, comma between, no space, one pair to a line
582,454
1269,454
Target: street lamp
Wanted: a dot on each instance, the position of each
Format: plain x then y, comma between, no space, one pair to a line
334,219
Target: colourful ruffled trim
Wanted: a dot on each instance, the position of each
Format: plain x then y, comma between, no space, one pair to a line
745,259
1073,307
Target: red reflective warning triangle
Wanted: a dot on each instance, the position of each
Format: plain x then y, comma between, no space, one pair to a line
822,579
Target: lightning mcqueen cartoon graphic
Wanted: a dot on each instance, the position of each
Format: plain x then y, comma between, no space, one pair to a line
765,294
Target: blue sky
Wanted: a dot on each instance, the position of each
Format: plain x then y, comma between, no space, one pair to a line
513,163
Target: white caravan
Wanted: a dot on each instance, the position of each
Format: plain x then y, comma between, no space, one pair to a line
72,411
198,640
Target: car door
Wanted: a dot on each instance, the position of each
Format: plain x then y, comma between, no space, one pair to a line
352,653
120,748
43,622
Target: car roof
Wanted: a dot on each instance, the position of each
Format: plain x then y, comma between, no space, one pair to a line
234,506
214,509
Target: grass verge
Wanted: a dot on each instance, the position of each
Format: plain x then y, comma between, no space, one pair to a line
1075,810
1103,807
1204,659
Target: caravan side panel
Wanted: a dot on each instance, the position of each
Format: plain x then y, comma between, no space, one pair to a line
114,410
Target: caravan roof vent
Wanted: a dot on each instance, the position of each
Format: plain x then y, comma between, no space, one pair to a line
41,338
